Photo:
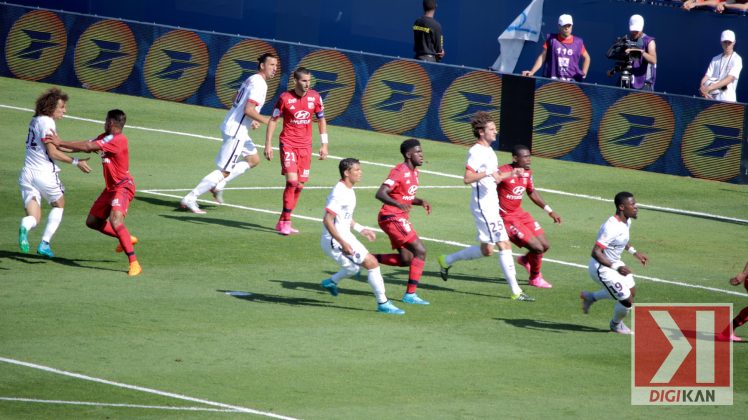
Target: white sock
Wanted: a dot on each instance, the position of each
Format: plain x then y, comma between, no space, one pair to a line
238,169
601,294
208,182
620,312
506,260
29,222
377,284
469,253
53,222
344,273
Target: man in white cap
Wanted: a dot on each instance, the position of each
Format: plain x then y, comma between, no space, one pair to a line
643,55
561,54
721,78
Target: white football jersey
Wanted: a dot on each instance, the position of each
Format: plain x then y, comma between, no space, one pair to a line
342,202
614,236
483,159
37,158
236,124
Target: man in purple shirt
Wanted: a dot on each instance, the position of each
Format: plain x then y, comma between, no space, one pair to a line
561,54
644,55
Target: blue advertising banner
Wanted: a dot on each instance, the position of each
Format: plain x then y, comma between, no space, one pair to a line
586,123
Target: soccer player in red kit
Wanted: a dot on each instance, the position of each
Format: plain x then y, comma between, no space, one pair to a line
729,333
398,193
523,230
108,212
296,107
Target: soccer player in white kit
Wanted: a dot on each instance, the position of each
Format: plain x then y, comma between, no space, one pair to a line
482,173
339,243
606,267
238,153
40,176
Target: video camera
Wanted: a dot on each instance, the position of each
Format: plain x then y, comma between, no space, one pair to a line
624,60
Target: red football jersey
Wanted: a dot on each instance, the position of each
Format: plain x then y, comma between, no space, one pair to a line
297,117
403,183
512,190
115,159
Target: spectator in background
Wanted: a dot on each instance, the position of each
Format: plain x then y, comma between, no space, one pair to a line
691,4
733,5
561,54
644,55
721,78
428,41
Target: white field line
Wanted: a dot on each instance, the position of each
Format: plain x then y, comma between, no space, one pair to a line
425,171
454,243
143,389
97,404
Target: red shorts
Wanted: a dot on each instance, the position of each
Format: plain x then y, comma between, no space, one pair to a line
521,227
296,160
118,199
400,231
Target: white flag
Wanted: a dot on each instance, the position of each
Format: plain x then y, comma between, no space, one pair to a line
526,27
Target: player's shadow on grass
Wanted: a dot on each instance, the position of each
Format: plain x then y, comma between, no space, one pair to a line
188,217
283,300
550,326
38,259
316,287
434,282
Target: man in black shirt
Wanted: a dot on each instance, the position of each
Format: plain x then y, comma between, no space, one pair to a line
427,34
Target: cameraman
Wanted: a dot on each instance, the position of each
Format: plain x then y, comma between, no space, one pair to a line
721,78
643,55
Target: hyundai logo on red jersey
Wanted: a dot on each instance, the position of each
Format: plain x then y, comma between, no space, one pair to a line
301,115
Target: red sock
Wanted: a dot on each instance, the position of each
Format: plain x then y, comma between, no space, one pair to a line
107,229
289,200
389,259
535,260
124,239
741,319
414,276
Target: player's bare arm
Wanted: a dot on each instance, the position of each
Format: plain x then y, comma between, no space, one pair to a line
472,176
74,146
383,195
55,153
740,277
322,124
269,138
642,257
366,232
329,222
535,197
423,203
597,254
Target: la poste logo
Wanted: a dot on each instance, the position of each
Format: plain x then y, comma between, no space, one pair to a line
676,358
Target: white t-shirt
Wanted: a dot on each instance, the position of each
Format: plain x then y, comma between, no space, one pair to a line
613,236
721,67
341,202
236,124
483,159
37,158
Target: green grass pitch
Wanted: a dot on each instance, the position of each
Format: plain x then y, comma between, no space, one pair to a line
289,348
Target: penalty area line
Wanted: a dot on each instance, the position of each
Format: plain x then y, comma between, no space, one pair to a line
459,244
143,389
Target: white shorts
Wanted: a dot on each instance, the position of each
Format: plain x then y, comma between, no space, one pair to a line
490,227
36,185
332,249
232,150
618,286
